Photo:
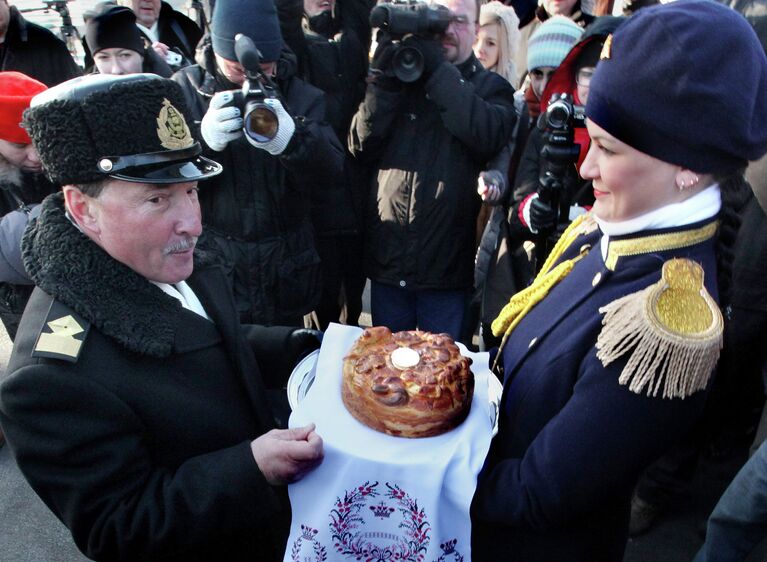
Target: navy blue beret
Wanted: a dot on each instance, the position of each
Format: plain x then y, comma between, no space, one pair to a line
255,18
686,83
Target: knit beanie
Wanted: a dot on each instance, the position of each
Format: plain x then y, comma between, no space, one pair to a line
114,28
132,127
255,18
549,44
699,100
16,91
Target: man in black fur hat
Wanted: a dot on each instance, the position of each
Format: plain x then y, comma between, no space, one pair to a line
134,406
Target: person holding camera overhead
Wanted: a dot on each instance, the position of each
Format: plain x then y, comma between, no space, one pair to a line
257,212
608,356
431,121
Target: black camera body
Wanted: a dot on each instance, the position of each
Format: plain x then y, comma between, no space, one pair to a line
559,150
259,120
409,17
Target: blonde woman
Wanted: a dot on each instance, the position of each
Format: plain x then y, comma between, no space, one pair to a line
498,40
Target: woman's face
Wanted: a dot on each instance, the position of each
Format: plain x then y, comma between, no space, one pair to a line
486,46
627,183
118,61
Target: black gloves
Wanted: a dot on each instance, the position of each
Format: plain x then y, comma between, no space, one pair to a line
302,341
542,216
431,49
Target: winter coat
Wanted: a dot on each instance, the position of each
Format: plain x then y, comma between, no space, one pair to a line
256,213
36,52
572,439
136,432
18,191
336,64
429,141
178,32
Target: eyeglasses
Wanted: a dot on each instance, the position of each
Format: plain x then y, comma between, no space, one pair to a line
461,21
583,77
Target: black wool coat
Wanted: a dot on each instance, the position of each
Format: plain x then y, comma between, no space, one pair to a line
141,444
36,52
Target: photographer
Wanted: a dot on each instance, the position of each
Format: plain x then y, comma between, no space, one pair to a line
257,212
169,30
544,165
428,139
331,41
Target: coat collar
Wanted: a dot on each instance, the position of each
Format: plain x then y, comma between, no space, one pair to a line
119,302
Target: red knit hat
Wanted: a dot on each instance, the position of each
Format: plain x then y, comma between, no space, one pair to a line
16,91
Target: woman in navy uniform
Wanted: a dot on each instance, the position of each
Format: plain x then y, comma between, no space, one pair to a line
607,356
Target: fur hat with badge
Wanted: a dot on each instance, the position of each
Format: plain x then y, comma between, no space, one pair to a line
699,100
132,127
16,92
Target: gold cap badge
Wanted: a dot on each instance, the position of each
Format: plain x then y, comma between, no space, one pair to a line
172,129
605,54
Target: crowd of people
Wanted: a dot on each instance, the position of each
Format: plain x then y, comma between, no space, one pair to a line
183,215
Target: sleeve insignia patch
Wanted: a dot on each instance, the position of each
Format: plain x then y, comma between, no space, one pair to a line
62,335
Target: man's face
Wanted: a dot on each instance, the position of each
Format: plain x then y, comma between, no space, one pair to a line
460,35
148,227
4,17
233,71
539,78
147,11
559,7
118,61
22,156
316,7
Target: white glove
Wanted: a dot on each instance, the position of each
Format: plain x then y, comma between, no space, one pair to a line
221,125
285,129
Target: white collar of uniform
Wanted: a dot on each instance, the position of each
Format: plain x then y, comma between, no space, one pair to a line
150,32
699,207
185,296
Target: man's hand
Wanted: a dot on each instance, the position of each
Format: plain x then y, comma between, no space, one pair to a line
287,455
161,49
221,125
285,129
489,186
431,50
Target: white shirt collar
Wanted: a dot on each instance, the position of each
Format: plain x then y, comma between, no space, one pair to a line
150,32
699,207
184,294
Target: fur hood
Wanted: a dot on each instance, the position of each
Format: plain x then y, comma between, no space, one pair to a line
116,300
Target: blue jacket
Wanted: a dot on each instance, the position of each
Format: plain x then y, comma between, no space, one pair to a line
558,480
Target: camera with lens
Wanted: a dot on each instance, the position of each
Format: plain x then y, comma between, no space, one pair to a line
259,120
402,18
559,153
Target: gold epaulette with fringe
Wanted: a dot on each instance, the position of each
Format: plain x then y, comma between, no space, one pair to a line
673,330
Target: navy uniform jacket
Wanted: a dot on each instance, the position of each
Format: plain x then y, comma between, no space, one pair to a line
138,438
572,441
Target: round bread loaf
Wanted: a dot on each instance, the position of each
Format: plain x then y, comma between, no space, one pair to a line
408,384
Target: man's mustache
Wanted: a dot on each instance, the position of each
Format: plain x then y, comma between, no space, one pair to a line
182,245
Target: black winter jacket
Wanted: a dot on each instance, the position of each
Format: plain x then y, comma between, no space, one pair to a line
35,51
257,212
178,31
336,63
429,141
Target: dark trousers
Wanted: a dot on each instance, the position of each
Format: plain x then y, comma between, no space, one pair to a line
342,280
431,310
